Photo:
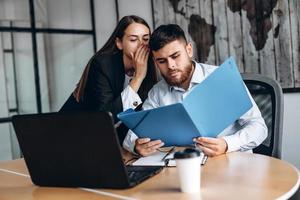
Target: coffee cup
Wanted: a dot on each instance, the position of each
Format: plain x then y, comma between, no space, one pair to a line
188,165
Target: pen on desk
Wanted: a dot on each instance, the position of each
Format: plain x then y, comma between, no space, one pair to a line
204,159
169,152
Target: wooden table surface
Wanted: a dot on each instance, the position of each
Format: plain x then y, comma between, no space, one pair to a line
232,176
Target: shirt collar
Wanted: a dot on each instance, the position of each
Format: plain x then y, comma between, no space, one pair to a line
198,76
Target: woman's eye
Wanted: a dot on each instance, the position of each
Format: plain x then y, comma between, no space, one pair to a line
133,40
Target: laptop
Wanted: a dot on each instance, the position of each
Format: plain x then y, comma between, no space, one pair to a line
76,150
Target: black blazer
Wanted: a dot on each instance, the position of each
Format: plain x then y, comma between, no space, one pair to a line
103,89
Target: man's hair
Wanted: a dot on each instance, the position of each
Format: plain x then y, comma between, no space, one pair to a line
165,34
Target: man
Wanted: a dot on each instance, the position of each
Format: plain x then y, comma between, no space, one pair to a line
173,56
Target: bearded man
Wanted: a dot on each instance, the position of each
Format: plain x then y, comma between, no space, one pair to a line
173,57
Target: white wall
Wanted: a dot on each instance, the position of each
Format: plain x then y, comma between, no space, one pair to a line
5,144
106,19
67,54
14,10
141,8
17,10
291,129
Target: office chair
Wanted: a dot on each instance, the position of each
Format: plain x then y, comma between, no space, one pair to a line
267,94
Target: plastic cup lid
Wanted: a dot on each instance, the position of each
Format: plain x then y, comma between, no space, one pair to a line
187,153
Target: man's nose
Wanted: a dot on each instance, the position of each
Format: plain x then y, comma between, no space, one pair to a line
171,64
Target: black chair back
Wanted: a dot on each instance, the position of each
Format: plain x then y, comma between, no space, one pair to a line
268,96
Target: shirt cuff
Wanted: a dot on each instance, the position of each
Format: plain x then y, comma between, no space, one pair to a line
233,143
130,99
129,142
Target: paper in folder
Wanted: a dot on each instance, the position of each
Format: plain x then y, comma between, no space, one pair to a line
206,111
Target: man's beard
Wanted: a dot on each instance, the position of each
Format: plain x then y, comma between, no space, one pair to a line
185,74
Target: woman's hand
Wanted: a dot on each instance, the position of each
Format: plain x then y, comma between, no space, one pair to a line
145,147
140,60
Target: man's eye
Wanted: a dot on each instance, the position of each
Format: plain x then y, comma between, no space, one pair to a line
175,56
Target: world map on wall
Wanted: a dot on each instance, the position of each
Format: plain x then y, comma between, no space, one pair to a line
258,13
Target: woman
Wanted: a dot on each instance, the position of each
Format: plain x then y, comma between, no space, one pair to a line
119,75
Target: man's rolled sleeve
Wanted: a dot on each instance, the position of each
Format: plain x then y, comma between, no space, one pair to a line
233,142
129,141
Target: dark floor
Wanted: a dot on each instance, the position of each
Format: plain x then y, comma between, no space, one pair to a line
296,196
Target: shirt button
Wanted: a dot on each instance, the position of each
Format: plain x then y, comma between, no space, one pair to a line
135,103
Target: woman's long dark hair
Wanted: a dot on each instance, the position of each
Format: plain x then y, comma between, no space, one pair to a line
110,47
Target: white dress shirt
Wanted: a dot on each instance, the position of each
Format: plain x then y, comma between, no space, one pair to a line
244,134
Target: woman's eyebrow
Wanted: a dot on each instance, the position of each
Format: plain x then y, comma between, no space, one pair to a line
145,35
132,35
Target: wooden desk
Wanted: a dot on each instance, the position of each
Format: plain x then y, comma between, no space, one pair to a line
232,176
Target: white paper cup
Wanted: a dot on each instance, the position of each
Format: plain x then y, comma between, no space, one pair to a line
188,165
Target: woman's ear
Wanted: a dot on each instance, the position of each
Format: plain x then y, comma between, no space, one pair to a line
119,43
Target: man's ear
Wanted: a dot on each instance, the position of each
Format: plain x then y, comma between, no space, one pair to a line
189,50
119,43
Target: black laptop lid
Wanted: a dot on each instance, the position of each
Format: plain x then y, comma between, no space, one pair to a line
71,149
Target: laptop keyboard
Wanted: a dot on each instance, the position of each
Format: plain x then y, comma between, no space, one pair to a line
140,173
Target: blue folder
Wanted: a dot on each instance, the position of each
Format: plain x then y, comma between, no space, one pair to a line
207,110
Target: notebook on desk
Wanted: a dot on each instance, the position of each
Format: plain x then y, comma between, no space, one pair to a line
75,150
160,158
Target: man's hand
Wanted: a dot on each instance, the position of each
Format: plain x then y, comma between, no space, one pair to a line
211,146
145,147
